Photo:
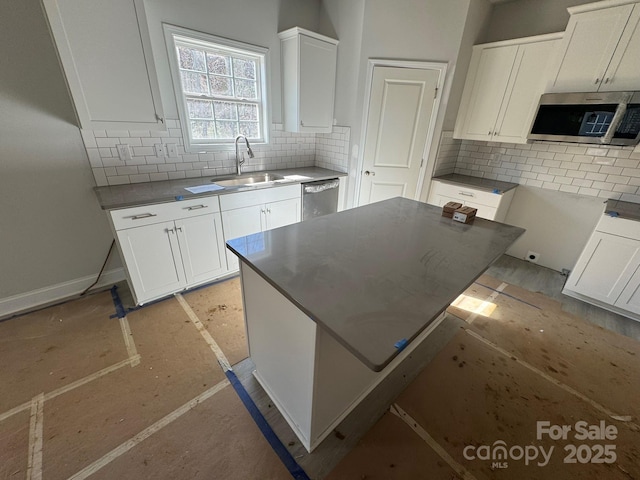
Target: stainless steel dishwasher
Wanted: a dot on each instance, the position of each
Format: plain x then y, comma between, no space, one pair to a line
319,198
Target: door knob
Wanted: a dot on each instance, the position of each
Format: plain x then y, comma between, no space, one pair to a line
367,172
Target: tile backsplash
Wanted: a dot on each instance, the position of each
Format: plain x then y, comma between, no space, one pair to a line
285,150
593,170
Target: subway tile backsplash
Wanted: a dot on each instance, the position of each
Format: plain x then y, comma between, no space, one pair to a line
586,169
285,150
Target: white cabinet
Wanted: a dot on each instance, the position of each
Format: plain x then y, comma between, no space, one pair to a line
607,272
309,80
600,49
492,206
105,51
246,213
503,87
169,247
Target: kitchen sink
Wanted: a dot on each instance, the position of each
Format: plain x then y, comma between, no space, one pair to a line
245,180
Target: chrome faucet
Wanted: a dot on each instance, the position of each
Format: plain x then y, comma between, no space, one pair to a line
240,159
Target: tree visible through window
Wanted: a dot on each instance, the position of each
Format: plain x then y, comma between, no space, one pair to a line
221,89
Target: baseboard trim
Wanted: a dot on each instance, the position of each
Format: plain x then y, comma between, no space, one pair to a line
43,296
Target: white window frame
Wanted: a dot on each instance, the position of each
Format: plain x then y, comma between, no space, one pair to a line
173,33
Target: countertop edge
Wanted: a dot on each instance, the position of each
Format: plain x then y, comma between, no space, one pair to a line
461,180
182,183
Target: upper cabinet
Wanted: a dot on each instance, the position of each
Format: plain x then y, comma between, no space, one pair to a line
503,87
309,80
105,51
600,49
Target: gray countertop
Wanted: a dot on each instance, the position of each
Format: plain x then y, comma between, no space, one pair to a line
494,186
121,196
377,274
618,208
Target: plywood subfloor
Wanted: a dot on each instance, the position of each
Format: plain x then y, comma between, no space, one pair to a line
527,361
160,407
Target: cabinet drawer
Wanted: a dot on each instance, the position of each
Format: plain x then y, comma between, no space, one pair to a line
619,226
163,212
258,197
467,195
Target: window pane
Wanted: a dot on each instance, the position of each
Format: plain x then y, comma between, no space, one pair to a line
200,109
250,129
203,129
220,85
225,111
247,111
244,68
245,89
194,83
227,129
191,59
218,64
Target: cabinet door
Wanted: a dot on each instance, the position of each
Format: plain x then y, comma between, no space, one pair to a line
587,48
105,52
282,213
152,258
527,83
629,299
605,267
316,83
487,81
202,247
624,70
238,223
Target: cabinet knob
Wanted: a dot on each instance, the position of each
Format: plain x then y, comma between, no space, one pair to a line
367,172
490,133
606,80
597,81
171,230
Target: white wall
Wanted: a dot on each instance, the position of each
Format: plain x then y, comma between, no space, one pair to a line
255,22
405,30
53,230
558,224
524,18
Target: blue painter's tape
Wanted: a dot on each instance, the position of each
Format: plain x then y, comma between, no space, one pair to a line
400,344
495,190
613,214
179,197
285,456
120,312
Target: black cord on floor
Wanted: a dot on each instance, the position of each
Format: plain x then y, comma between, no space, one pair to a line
101,270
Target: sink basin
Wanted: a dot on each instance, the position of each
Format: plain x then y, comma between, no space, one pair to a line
250,179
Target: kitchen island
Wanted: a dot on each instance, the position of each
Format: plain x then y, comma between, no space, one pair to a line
334,304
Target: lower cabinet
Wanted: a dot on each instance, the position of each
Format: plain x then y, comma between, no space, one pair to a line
246,213
169,247
492,206
607,272
174,246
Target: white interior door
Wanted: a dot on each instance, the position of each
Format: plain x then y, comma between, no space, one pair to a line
400,113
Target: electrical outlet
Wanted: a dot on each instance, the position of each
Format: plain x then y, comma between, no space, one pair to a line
160,150
124,152
172,150
532,257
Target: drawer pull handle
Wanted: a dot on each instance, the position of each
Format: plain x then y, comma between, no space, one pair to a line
197,207
143,215
466,194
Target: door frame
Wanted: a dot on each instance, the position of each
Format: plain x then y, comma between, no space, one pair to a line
441,68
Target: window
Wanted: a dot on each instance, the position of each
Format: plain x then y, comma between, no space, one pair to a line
220,88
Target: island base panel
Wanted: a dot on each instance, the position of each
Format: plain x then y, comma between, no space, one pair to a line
313,380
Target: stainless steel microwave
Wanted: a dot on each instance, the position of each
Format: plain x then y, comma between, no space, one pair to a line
608,118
